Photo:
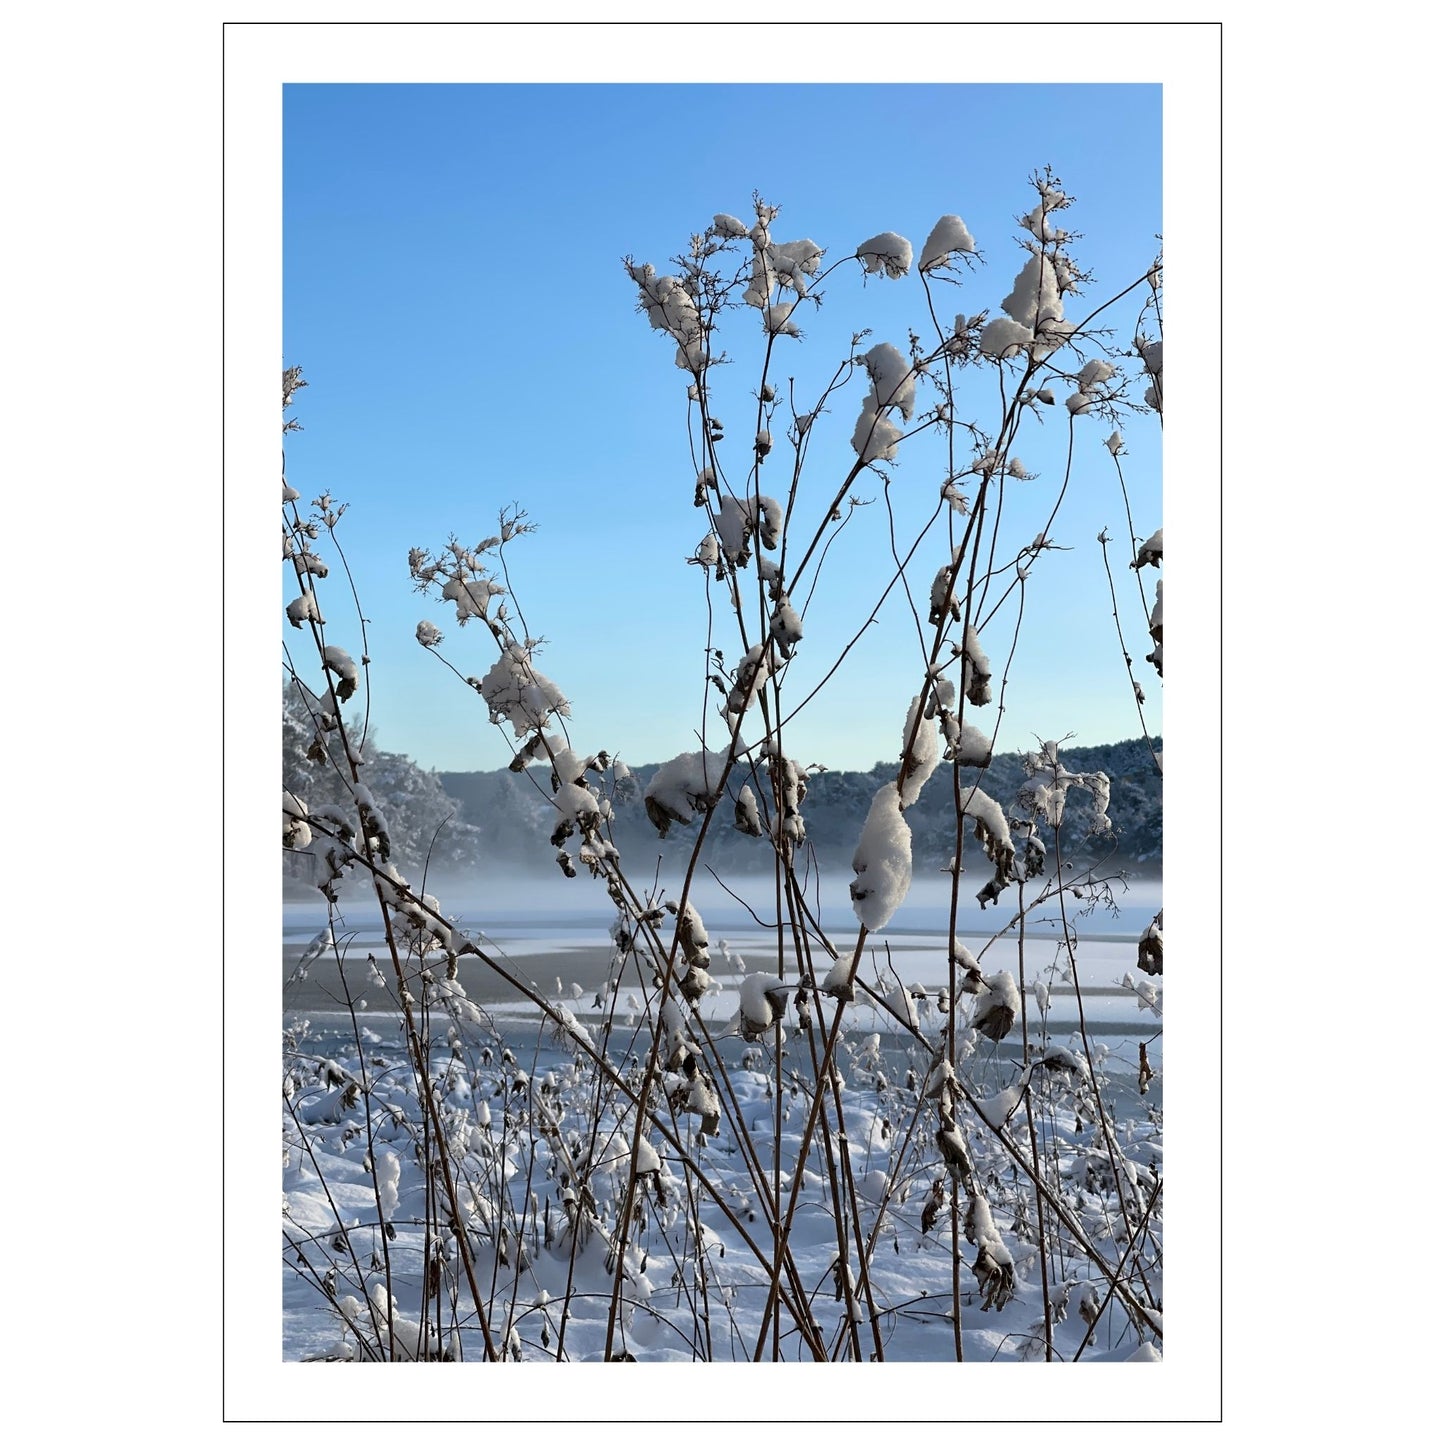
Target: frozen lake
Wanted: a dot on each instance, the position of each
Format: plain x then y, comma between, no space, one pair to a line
554,934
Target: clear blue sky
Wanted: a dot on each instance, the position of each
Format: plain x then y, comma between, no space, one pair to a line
455,294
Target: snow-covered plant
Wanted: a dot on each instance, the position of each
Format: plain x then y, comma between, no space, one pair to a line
728,1156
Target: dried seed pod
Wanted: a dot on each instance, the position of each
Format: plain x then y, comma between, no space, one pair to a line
996,1010
935,1203
952,1148
1151,946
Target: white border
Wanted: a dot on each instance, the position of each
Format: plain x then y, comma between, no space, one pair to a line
259,59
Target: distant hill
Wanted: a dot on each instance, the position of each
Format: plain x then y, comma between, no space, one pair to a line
447,823
450,822
513,817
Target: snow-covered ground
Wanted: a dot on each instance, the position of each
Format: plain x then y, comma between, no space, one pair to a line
546,1149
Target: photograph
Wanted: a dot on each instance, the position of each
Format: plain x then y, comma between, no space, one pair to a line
723,845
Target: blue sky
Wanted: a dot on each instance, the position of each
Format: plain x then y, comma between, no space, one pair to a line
455,294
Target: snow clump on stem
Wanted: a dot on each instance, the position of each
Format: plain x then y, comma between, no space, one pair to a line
892,376
338,661
752,672
1156,630
920,755
304,608
976,672
875,438
1151,553
950,235
517,693
1036,305
761,1003
883,861
669,306
682,788
887,252
997,1006
1003,338
1048,782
